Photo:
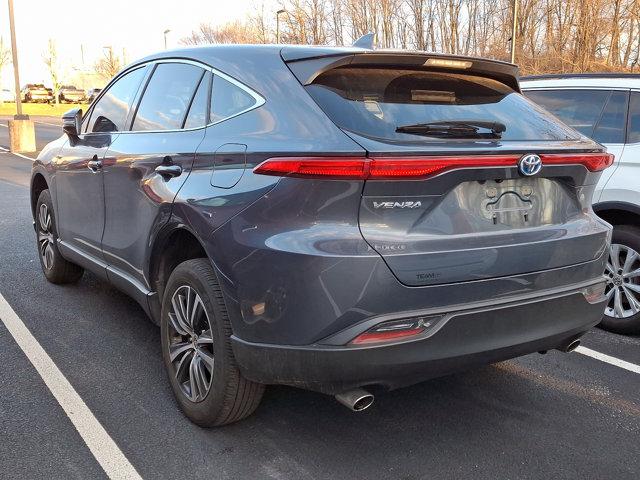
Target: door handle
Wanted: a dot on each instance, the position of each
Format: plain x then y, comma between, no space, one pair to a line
169,171
94,164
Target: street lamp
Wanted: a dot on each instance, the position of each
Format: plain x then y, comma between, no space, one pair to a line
278,13
514,28
165,38
14,53
22,136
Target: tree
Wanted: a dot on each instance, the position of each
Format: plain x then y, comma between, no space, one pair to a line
108,66
552,35
50,58
231,32
5,57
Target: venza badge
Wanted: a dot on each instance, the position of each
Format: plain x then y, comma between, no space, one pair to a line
529,164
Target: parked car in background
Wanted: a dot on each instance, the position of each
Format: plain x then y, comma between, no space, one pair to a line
37,93
71,94
92,93
7,95
336,219
606,108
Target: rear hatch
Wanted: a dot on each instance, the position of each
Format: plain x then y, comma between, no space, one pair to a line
454,205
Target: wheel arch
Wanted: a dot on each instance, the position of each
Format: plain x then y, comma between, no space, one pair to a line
172,246
618,213
38,185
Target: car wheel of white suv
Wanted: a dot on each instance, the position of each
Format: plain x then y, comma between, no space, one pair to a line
622,314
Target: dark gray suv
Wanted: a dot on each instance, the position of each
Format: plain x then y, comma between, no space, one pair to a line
337,219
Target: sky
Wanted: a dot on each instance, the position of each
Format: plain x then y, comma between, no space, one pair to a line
89,26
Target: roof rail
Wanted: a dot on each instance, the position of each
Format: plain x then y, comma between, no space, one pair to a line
580,75
365,41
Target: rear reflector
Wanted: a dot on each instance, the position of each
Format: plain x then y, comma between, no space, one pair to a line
595,293
382,168
395,330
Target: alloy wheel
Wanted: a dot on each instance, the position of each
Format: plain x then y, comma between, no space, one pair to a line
190,344
623,282
45,236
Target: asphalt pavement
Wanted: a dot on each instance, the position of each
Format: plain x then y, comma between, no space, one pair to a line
538,417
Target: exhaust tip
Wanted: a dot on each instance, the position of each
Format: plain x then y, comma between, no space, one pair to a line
569,346
356,400
572,346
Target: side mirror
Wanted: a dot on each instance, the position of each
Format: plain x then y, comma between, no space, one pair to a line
72,122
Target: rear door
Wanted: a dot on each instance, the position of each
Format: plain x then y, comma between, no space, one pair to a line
470,214
623,184
600,114
148,164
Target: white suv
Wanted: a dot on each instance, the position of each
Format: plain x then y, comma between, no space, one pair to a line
606,107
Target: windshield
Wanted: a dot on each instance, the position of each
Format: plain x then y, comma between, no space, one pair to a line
376,101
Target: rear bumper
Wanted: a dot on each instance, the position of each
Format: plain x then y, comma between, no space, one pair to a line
466,339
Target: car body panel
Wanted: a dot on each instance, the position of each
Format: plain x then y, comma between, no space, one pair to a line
138,200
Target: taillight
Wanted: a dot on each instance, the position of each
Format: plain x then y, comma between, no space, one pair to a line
382,168
593,161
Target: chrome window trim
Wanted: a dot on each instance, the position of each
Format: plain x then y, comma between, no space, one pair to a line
573,87
259,99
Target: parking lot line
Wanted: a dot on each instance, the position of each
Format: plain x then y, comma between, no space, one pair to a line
101,445
632,367
2,149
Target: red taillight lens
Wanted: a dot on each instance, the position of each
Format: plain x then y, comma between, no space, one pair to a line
331,167
385,168
380,168
593,161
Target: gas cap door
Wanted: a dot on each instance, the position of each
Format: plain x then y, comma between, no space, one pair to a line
229,163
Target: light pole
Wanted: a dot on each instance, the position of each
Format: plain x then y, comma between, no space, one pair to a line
278,13
165,38
14,53
22,135
514,30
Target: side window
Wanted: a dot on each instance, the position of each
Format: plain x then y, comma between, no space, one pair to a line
634,118
610,127
167,97
110,113
598,114
197,116
228,99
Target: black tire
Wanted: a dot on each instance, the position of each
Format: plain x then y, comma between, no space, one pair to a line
55,267
230,397
629,236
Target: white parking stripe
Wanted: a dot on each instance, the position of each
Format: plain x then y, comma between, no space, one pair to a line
101,445
47,123
632,367
2,149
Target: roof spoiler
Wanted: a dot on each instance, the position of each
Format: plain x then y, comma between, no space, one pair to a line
308,64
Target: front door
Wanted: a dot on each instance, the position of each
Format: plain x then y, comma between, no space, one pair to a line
80,193
79,168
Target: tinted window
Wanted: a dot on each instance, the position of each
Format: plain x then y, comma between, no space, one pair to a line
197,116
110,113
634,118
375,101
598,114
228,99
167,97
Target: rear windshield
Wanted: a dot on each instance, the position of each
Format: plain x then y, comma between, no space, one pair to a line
375,101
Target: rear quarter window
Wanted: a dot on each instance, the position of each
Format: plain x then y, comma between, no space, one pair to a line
375,101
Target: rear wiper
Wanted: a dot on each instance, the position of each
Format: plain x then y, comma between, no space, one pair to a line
451,128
